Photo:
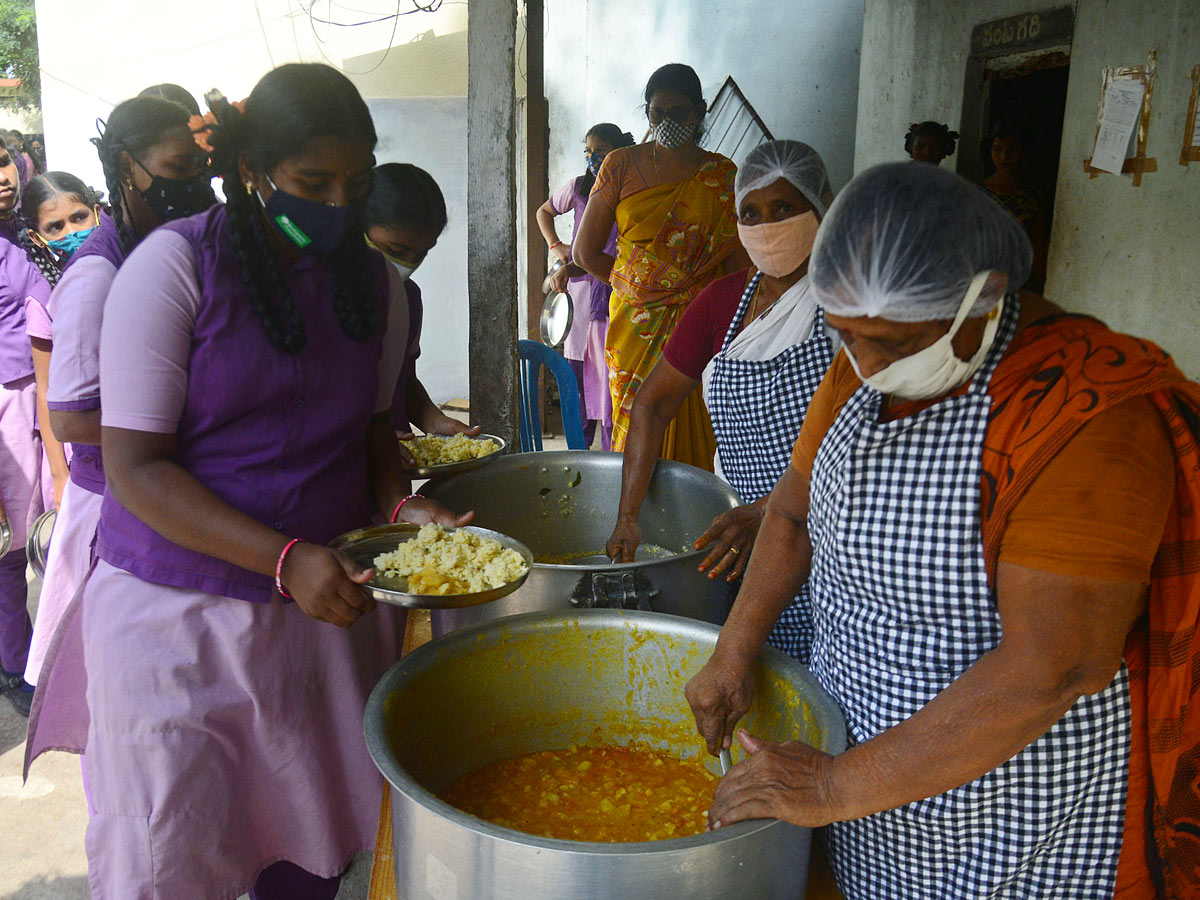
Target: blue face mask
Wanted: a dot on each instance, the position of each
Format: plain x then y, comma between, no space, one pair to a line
317,229
66,245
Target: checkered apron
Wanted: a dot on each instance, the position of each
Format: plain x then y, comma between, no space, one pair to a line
757,408
901,607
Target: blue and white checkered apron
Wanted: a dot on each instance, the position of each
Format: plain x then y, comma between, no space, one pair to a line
757,408
901,607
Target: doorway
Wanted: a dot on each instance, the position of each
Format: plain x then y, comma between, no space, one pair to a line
1016,79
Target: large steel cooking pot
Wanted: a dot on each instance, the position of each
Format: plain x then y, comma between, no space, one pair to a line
562,504
543,681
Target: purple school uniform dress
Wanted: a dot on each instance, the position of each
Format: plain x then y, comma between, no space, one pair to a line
411,351
20,467
584,344
77,309
224,726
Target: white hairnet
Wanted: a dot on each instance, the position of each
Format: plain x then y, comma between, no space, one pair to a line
793,161
903,241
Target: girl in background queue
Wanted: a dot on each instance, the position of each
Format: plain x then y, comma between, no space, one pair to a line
759,345
247,391
584,343
145,144
403,219
672,203
929,142
60,212
20,280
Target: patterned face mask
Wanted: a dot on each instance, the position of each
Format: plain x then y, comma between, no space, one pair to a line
670,135
594,159
66,245
177,198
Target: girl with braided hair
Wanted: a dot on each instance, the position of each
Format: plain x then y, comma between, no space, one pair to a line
147,153
60,211
248,379
20,504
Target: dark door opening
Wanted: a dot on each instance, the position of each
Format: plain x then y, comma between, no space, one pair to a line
1016,74
1028,100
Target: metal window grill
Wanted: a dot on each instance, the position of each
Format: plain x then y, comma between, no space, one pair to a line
732,127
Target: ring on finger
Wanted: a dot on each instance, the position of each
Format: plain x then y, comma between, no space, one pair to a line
734,550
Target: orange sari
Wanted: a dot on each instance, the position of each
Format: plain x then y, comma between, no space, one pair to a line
1060,373
671,242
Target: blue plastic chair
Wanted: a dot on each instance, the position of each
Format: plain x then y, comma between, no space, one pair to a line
533,356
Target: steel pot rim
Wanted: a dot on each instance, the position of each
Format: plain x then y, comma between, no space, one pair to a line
400,780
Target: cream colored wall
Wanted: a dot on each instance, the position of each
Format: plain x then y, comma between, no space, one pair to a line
220,43
1126,255
94,55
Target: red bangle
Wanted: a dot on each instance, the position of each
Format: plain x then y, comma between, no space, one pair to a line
279,568
396,511
559,244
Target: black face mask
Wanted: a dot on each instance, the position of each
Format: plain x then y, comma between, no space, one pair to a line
177,198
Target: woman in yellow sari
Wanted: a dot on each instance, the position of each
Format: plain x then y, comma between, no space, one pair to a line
673,206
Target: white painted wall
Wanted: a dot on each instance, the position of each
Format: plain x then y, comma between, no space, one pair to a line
796,61
223,44
432,133
1126,255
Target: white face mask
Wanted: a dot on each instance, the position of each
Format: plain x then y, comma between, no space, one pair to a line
936,370
404,270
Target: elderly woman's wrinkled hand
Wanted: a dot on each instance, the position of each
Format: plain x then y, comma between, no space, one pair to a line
788,781
730,540
719,695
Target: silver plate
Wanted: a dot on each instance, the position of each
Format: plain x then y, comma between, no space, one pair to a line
37,546
467,465
364,544
557,318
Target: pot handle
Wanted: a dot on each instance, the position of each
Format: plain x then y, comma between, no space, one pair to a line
614,590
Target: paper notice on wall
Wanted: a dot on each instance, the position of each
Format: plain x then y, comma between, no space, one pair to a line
1122,106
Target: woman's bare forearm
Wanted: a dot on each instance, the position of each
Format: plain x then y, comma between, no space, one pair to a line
172,501
76,426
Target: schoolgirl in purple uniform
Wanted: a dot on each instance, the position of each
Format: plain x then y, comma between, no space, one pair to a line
404,217
20,450
154,172
247,392
60,211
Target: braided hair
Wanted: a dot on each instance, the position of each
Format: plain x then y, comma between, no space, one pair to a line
38,191
289,107
133,126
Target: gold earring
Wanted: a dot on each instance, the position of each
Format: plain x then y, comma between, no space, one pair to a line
249,187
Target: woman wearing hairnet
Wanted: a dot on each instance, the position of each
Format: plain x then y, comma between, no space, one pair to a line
977,496
758,343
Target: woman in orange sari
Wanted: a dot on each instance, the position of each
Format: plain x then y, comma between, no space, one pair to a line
997,507
673,206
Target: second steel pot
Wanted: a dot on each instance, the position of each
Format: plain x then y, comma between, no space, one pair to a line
562,504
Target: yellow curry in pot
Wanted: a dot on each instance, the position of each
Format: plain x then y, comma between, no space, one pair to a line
605,794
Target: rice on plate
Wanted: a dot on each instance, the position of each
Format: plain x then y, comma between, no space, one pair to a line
439,450
442,562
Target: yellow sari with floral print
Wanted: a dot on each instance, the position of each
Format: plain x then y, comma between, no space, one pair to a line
671,242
